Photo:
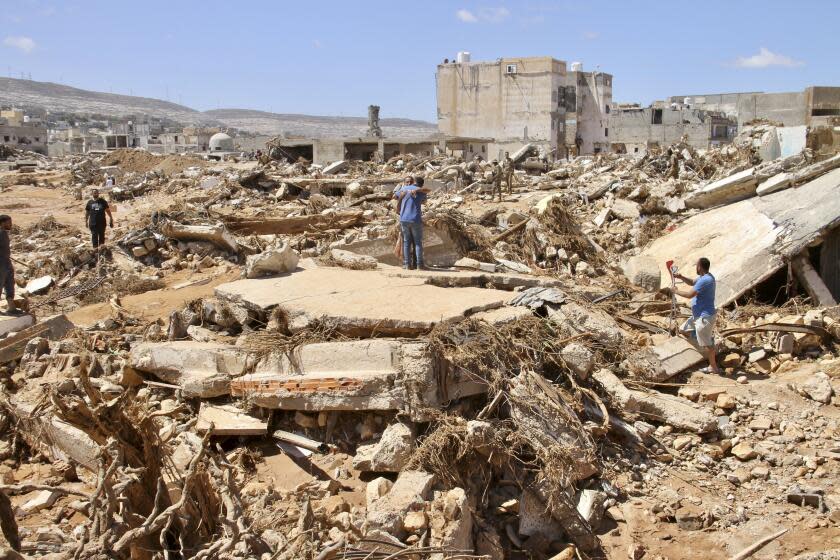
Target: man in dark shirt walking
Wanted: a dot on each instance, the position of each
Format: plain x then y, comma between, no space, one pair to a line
95,211
7,271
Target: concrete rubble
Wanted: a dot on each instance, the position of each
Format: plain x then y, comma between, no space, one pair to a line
249,372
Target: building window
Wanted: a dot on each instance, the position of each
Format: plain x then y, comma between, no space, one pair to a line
5,139
606,132
656,116
636,149
510,69
483,148
607,109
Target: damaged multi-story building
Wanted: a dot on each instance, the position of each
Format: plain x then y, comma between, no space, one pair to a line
21,131
517,101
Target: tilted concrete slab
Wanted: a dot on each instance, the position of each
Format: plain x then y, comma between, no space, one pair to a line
201,369
361,302
737,186
372,374
52,328
749,240
227,420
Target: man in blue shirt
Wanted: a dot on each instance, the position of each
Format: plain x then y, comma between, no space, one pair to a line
410,199
703,313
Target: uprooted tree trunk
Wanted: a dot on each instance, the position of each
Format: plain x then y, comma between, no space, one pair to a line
134,512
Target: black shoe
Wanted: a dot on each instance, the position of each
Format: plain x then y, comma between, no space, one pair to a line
15,311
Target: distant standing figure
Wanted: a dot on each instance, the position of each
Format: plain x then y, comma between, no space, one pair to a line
497,179
95,211
7,270
109,181
507,169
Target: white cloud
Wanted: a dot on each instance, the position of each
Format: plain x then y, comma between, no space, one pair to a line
466,16
591,35
766,58
494,15
484,15
23,44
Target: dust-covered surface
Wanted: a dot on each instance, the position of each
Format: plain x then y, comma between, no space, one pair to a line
177,417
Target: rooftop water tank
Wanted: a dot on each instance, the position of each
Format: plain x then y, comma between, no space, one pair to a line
577,67
463,57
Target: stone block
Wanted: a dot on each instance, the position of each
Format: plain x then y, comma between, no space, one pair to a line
643,272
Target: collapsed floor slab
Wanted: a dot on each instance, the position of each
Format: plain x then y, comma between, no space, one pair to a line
748,241
361,302
374,374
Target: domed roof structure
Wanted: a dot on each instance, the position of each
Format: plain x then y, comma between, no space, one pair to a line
221,142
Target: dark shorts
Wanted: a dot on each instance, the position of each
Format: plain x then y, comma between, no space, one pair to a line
97,234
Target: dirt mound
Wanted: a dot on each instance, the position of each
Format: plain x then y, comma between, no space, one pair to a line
139,161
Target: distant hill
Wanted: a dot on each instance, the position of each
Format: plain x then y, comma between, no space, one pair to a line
28,94
262,122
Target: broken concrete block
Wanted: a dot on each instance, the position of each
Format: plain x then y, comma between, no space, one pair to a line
39,285
785,344
202,370
228,420
777,182
736,187
577,319
818,388
55,438
643,272
578,358
15,324
625,209
42,500
408,493
336,167
451,521
389,454
271,262
375,489
666,408
591,506
139,251
355,261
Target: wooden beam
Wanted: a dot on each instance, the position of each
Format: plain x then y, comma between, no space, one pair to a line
816,288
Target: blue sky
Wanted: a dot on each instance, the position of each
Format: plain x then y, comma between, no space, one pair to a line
336,58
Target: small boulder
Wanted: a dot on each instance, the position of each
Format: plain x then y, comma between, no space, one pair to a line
643,272
270,262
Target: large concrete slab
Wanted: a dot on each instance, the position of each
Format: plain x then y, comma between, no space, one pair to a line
749,240
372,374
361,302
12,323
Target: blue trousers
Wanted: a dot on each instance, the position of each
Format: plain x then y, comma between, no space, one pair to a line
412,232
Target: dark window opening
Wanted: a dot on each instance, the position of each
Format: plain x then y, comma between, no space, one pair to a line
607,109
656,117
606,132
5,139
825,112
636,149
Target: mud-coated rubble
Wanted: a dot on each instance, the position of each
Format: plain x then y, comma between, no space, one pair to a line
247,371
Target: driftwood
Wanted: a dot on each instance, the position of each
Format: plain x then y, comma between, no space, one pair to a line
296,224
